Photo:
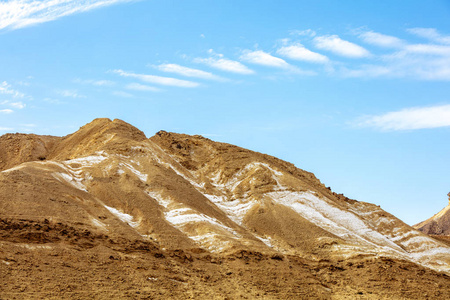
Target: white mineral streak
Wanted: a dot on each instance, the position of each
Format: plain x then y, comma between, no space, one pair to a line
143,177
88,161
98,224
235,210
329,217
168,161
126,218
14,168
217,236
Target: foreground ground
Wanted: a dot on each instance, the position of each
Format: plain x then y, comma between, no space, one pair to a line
45,260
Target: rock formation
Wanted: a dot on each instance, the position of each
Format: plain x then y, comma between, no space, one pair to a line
107,212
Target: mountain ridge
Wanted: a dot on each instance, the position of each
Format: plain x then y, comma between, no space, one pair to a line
108,184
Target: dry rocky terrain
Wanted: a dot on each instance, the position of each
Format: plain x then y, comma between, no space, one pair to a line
107,213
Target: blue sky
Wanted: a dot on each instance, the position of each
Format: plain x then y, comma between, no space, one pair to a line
357,92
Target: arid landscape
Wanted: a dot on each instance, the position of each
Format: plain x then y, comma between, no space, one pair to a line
107,213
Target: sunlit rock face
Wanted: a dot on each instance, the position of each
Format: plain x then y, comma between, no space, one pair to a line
180,192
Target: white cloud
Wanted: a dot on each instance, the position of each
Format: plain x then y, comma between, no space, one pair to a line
225,64
263,58
410,118
299,52
53,101
5,88
431,34
16,14
381,40
122,94
158,79
103,83
70,94
19,105
6,111
370,71
401,66
340,47
142,87
428,49
188,72
306,32
95,82
5,129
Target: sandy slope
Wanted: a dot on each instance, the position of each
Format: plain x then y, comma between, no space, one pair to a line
106,212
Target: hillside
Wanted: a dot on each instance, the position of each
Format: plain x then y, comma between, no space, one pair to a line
108,212
439,224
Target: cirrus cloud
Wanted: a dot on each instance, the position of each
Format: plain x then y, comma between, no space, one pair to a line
381,40
188,72
168,81
263,58
15,14
142,87
6,111
299,52
431,34
225,65
340,47
410,118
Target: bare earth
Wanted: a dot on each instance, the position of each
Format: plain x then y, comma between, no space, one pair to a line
106,213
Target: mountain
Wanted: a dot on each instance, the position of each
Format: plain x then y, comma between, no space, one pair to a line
438,225
107,212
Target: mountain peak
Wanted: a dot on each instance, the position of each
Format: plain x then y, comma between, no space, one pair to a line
99,135
180,200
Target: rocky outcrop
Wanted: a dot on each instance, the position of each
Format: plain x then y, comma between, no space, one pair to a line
108,189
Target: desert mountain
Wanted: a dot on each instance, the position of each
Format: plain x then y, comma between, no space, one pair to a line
439,224
182,216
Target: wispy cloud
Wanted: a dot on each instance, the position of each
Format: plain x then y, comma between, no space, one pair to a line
341,47
95,82
306,32
263,58
414,61
399,66
53,101
299,52
5,89
430,33
19,105
409,119
15,14
371,71
142,87
168,81
428,49
70,94
188,72
6,128
122,94
381,40
220,63
6,111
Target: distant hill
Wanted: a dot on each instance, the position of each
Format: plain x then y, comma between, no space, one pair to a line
439,224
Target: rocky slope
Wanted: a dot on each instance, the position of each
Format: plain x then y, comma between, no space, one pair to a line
182,216
439,224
